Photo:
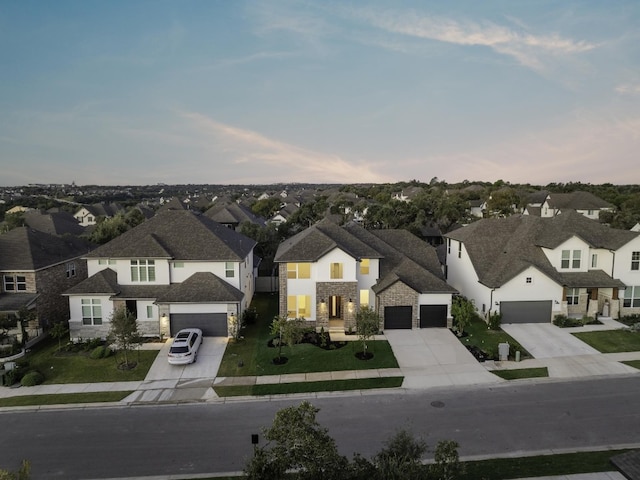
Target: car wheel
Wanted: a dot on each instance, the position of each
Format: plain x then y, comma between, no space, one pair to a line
195,357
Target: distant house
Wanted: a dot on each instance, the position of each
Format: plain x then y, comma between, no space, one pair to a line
283,214
553,204
328,272
233,215
88,215
530,269
176,270
56,223
36,267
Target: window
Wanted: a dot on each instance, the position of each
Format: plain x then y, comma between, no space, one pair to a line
178,264
448,245
91,311
528,280
631,297
229,270
143,271
71,269
573,296
570,259
298,270
9,283
336,271
594,260
364,266
106,261
298,306
459,249
364,298
149,311
635,260
15,283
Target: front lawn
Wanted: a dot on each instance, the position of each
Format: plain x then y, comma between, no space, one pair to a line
522,373
611,341
63,398
253,356
480,336
80,368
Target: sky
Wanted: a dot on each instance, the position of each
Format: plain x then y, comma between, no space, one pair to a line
260,92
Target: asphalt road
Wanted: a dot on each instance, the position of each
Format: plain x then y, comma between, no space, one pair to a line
216,437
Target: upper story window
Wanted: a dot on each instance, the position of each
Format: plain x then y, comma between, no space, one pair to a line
91,311
149,311
529,280
17,283
143,270
106,261
635,260
336,271
178,264
364,266
570,259
298,270
229,270
71,269
594,260
448,245
459,249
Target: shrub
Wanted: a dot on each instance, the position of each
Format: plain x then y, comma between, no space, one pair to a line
97,352
630,319
561,320
495,320
32,378
249,316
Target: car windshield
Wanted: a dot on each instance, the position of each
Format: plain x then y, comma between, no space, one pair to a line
179,349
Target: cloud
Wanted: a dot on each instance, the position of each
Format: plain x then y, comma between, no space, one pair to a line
528,49
628,89
264,159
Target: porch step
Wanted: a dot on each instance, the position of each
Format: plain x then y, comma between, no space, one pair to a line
336,330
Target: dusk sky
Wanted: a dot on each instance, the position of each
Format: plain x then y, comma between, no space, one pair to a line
234,92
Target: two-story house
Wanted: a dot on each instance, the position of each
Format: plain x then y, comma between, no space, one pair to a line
553,204
176,270
328,272
88,215
531,269
35,268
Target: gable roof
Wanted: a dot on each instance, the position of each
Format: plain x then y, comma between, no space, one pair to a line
577,201
178,234
501,248
234,214
24,248
55,223
201,287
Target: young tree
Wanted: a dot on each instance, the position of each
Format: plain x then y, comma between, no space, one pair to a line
367,325
401,458
124,334
59,330
288,331
447,464
297,442
463,311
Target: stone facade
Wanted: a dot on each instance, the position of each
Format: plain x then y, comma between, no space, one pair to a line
347,291
398,295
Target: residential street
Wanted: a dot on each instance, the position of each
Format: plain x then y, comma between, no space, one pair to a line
215,437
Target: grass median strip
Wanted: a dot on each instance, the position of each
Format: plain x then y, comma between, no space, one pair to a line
633,363
522,373
63,398
309,387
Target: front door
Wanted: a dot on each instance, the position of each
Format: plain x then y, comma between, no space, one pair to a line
335,307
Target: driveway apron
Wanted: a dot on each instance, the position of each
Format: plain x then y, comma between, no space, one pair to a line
544,340
434,357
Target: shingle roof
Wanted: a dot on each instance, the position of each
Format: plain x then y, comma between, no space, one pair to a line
104,282
577,201
12,302
178,234
201,287
55,223
24,248
500,248
233,213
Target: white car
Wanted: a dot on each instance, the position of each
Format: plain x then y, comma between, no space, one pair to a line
184,348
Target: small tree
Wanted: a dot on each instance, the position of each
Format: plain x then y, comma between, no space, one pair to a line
124,334
367,325
401,458
463,311
297,442
24,473
288,331
58,331
447,464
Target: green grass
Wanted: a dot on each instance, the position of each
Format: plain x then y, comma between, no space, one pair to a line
633,363
257,357
82,369
611,341
487,340
522,373
63,398
309,387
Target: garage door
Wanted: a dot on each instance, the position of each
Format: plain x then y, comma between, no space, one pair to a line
397,317
526,312
433,316
211,324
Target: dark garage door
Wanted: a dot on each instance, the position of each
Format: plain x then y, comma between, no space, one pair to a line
433,316
397,317
211,324
526,312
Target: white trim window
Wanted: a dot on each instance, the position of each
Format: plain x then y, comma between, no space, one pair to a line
573,296
335,271
570,259
594,260
635,260
298,306
91,311
17,283
71,269
631,297
229,270
364,266
298,270
143,270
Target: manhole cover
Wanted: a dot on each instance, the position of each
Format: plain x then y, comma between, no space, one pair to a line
437,404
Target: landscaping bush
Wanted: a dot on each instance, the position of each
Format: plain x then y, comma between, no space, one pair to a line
32,379
249,316
630,319
100,352
495,320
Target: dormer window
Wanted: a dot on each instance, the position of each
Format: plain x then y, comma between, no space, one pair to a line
143,270
570,259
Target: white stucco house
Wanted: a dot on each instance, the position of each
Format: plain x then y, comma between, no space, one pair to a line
328,272
176,270
553,204
531,269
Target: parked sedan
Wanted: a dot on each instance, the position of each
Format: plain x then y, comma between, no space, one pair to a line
184,348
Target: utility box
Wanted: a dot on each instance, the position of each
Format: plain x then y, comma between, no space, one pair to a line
503,351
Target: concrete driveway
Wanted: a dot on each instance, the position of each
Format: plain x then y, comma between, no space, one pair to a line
431,357
207,365
544,340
